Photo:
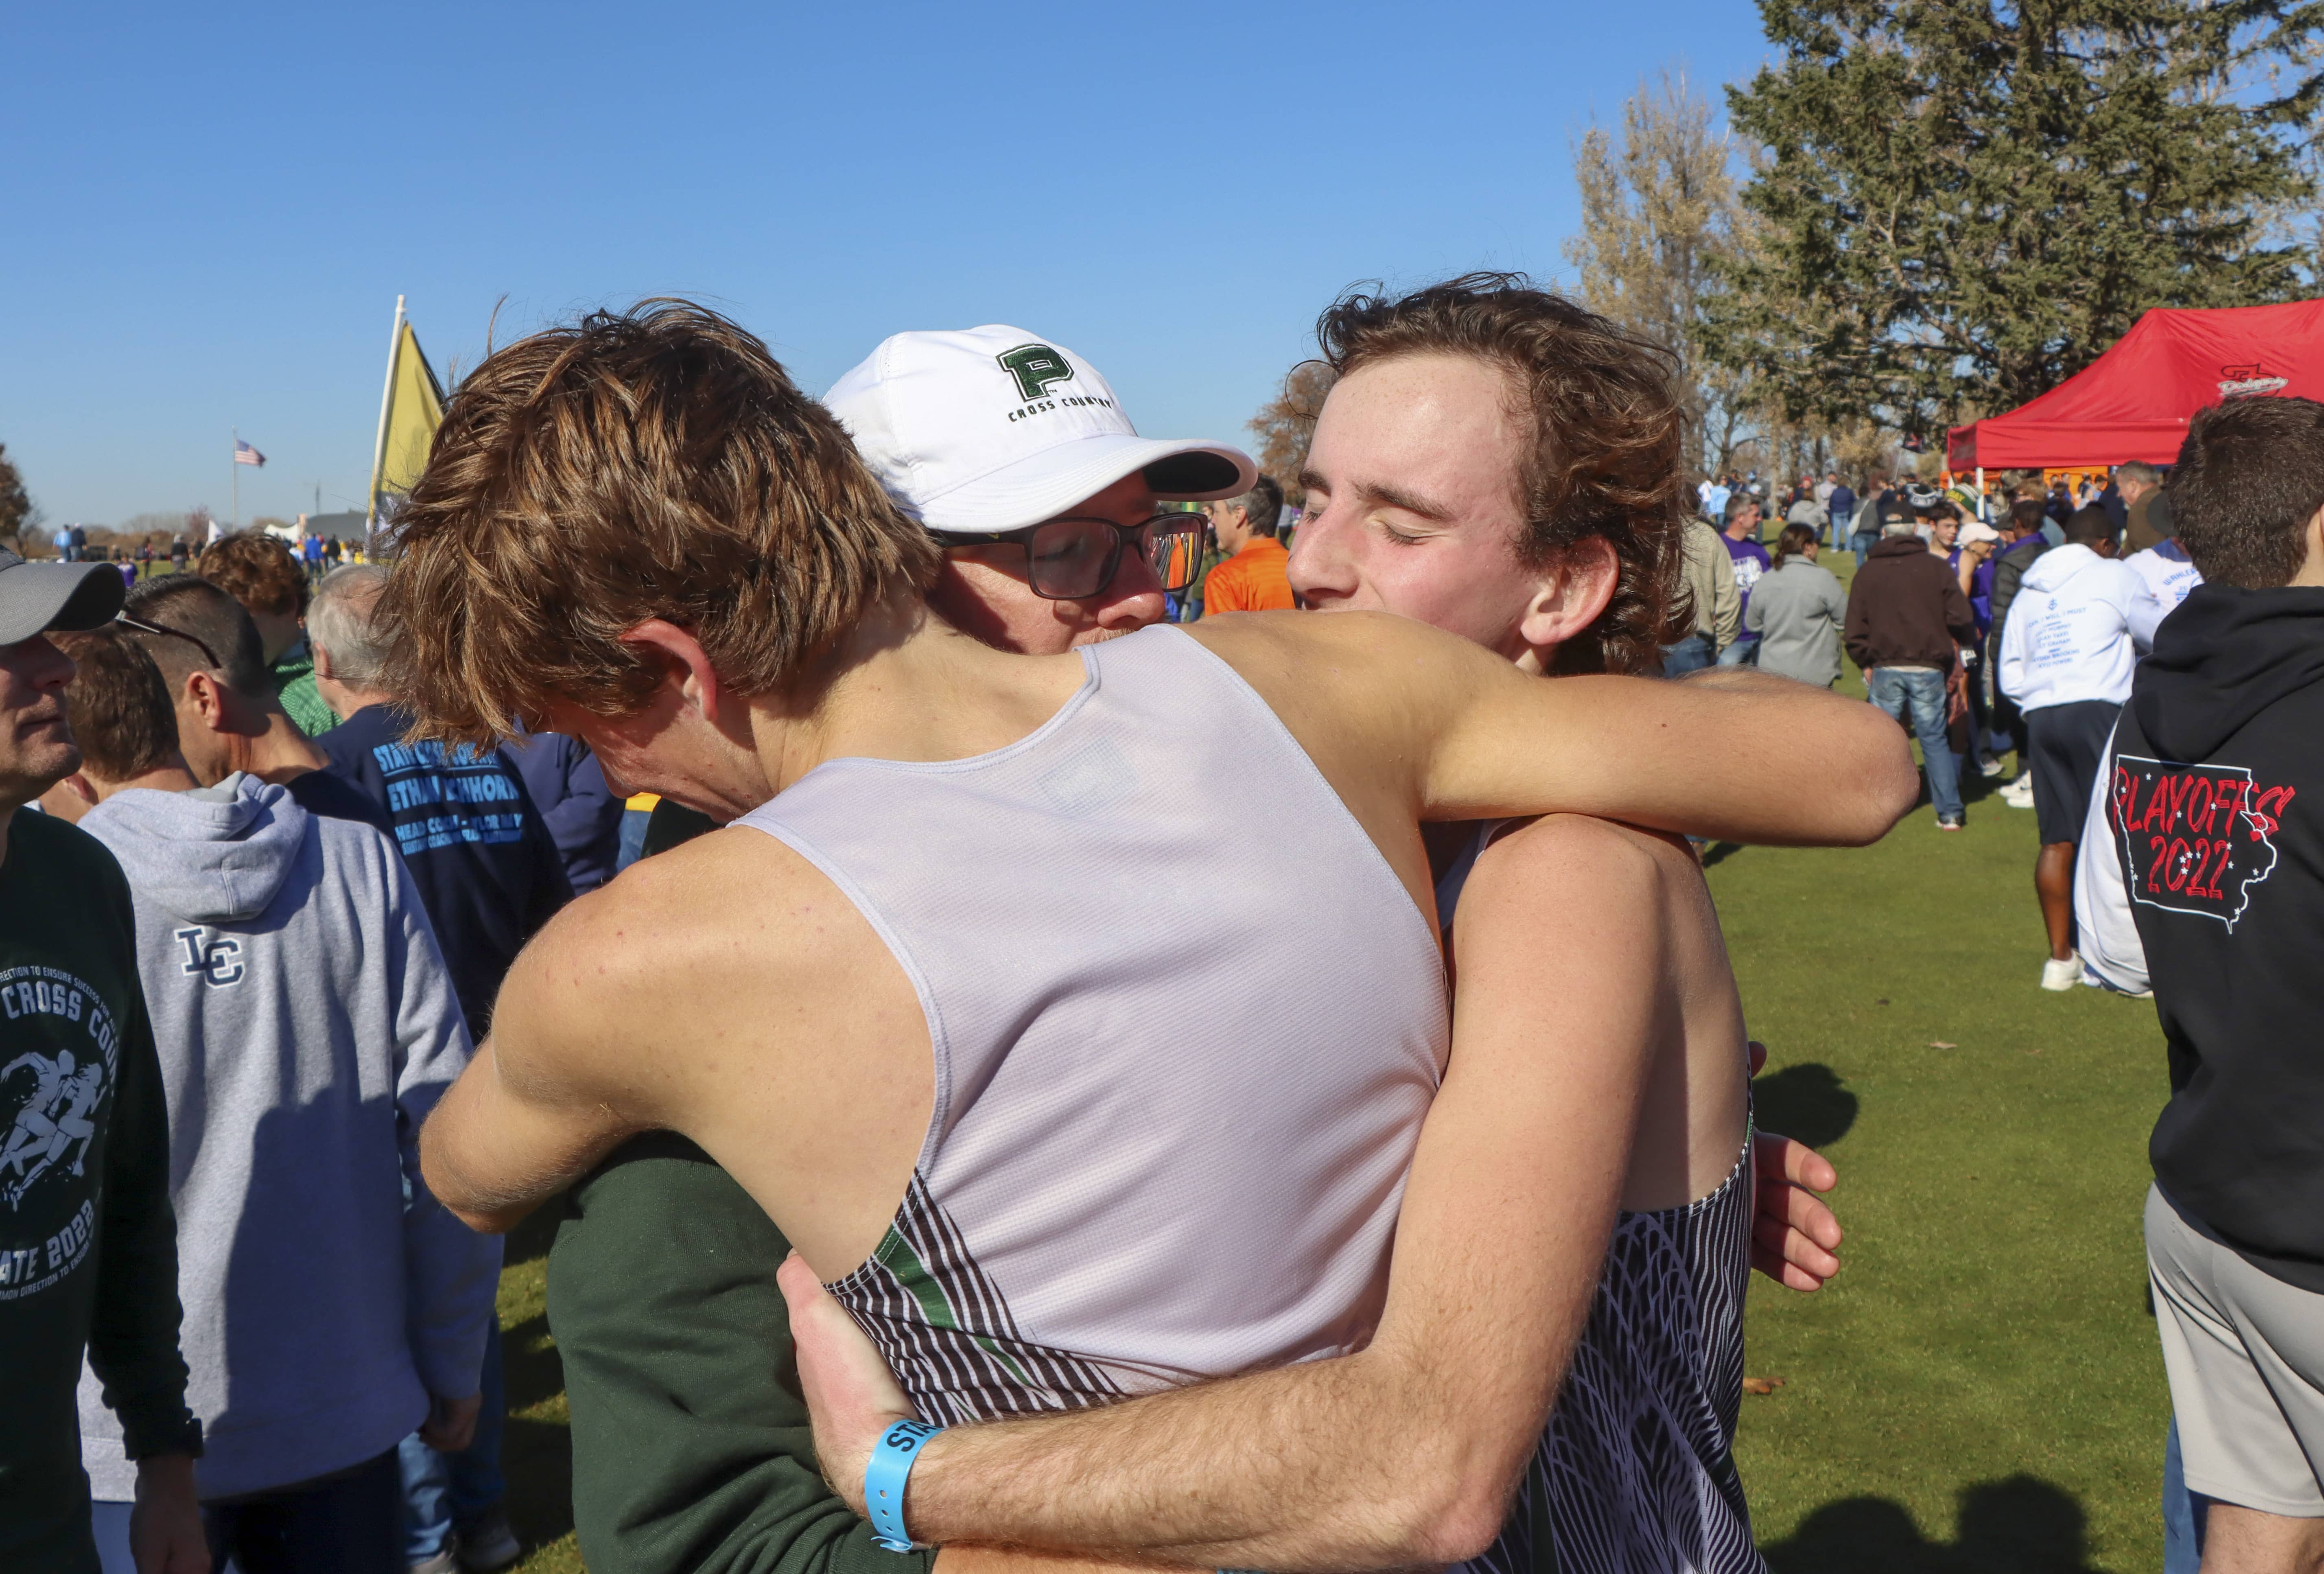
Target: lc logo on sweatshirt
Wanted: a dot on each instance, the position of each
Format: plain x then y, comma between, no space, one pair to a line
2195,839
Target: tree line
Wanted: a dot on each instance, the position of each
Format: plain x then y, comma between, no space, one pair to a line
1921,212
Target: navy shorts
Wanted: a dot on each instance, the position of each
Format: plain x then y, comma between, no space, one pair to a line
2068,742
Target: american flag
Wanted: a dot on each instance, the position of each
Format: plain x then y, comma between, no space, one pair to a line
243,454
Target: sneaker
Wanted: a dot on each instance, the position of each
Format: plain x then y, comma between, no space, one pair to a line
2019,794
488,1545
443,1562
1992,765
2060,976
1944,824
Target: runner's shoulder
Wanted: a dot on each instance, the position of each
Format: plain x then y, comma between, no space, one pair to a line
1569,860
669,938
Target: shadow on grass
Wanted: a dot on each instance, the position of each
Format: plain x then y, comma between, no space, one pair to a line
536,1456
531,1240
2018,1526
1807,1103
1718,853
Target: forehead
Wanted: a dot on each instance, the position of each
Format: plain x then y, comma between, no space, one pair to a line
1440,426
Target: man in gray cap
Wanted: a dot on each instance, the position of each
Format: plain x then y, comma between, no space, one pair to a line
96,1218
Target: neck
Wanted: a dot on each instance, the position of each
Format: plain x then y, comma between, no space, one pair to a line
276,753
172,776
907,686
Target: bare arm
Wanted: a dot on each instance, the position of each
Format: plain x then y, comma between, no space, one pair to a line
1750,758
538,1105
1406,1452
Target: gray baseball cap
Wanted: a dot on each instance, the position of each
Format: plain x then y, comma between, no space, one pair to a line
38,597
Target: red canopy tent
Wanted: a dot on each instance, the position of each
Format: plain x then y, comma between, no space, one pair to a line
2134,402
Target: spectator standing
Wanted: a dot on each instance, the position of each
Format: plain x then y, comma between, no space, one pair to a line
1715,493
1871,517
2145,505
180,553
1808,509
1710,575
1749,560
229,719
1842,507
2230,698
305,1025
2164,575
1797,609
1971,561
63,542
583,816
1907,619
490,875
1254,578
85,1159
2021,543
2066,659
257,570
80,543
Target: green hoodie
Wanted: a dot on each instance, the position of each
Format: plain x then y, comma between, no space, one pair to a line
691,1449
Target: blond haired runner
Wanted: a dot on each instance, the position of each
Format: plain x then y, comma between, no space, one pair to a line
900,999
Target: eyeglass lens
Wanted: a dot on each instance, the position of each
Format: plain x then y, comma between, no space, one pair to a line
1069,560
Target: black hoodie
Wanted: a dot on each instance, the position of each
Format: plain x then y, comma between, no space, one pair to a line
2216,800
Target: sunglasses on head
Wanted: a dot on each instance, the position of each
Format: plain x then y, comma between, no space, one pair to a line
142,626
1074,559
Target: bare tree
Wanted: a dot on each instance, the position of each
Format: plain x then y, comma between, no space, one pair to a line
16,509
1286,425
1658,207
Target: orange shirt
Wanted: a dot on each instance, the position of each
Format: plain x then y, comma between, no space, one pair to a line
1255,579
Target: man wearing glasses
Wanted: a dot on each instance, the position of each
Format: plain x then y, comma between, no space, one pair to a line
1255,576
689,1450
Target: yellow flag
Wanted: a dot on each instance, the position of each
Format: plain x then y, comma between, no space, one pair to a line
408,422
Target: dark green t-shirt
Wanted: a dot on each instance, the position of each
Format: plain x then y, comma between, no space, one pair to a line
691,1448
89,1247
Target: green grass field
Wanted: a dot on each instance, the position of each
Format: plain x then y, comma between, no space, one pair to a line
1979,1390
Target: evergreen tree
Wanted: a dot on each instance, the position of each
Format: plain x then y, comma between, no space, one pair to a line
1964,201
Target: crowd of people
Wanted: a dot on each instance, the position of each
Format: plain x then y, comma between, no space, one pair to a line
956,811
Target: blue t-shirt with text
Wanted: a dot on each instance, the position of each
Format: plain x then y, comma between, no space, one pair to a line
487,869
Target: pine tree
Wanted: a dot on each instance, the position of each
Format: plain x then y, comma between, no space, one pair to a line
1964,203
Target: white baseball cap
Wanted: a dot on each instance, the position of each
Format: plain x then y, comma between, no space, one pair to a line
986,429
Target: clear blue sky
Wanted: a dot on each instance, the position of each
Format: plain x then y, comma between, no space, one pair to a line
206,215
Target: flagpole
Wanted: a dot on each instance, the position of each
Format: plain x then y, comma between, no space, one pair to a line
379,447
236,466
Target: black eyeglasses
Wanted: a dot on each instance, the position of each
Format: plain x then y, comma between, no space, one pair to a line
142,626
1072,558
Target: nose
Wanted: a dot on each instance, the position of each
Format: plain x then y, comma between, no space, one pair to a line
1134,599
1321,568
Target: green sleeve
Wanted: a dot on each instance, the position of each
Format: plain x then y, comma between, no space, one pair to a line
132,1339
691,1449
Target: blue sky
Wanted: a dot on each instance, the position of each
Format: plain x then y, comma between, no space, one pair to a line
206,215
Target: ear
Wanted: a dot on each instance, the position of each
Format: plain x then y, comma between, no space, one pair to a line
1572,593
322,660
206,696
686,681
81,787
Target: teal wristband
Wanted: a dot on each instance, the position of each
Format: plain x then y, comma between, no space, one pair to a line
884,1476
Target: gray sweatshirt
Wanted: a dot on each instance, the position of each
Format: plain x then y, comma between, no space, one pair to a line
1798,612
305,1025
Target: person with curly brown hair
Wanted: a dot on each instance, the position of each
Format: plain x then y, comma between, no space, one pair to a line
258,571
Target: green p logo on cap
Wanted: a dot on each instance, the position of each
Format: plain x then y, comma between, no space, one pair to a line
1034,366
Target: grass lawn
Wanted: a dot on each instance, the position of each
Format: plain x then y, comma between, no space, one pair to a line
1979,1390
